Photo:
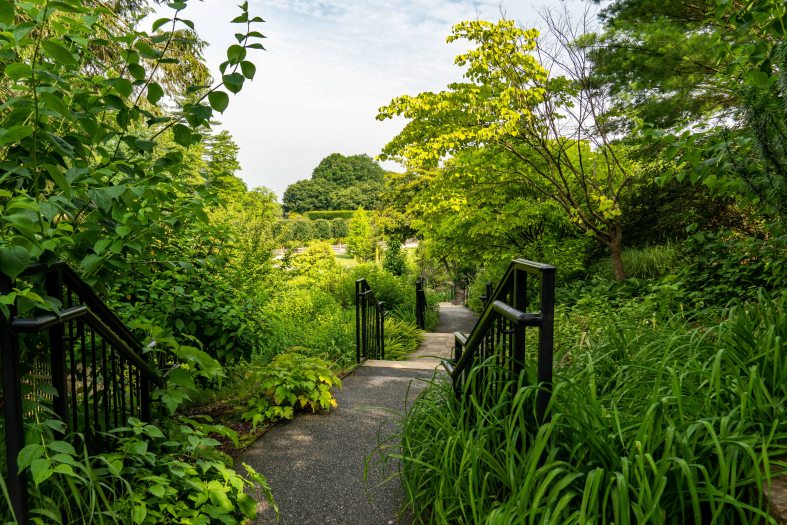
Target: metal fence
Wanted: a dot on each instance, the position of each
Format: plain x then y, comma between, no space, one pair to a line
524,299
420,303
369,323
81,362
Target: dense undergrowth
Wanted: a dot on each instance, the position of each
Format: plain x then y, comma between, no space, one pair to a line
676,421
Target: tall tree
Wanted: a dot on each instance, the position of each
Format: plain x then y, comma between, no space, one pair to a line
338,182
546,124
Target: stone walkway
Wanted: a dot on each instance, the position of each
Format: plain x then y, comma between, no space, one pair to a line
315,463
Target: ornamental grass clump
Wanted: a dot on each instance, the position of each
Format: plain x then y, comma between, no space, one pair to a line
672,424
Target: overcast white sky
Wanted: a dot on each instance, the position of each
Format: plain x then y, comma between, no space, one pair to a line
329,65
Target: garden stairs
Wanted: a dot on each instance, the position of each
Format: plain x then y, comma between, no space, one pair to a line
326,468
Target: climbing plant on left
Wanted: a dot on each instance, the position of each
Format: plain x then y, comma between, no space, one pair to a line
98,117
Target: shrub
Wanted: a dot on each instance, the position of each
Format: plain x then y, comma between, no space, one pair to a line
288,383
330,214
394,259
339,228
391,289
149,478
322,229
401,338
650,262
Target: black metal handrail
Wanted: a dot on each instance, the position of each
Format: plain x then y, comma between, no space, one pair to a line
500,332
94,363
369,323
420,303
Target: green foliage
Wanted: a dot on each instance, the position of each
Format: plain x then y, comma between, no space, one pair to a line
330,214
650,262
302,230
361,239
393,290
152,475
291,382
192,301
322,229
339,228
92,161
539,125
402,338
394,259
724,267
317,263
667,424
337,183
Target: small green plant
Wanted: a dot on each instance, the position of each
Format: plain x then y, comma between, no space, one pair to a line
291,382
165,474
401,338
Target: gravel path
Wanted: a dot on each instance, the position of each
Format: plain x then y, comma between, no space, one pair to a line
315,463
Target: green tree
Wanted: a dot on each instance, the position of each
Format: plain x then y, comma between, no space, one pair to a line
339,228
361,240
338,182
322,229
302,230
92,158
544,126
222,164
394,259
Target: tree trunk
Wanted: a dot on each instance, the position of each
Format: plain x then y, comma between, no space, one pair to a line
615,242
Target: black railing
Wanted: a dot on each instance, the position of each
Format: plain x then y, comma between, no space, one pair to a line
369,323
420,303
91,360
500,334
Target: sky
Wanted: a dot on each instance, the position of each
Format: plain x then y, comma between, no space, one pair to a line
327,68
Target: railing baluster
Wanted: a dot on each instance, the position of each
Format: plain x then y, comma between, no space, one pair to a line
105,387
94,382
123,416
57,351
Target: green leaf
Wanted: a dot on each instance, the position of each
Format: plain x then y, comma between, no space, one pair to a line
158,490
28,454
139,513
18,71
233,82
121,85
155,92
235,53
15,134
248,69
58,53
147,51
62,447
55,103
183,135
40,468
160,22
219,100
137,72
13,260
6,12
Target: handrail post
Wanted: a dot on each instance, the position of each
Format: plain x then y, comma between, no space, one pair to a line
12,409
546,343
364,328
519,293
57,354
358,321
381,310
